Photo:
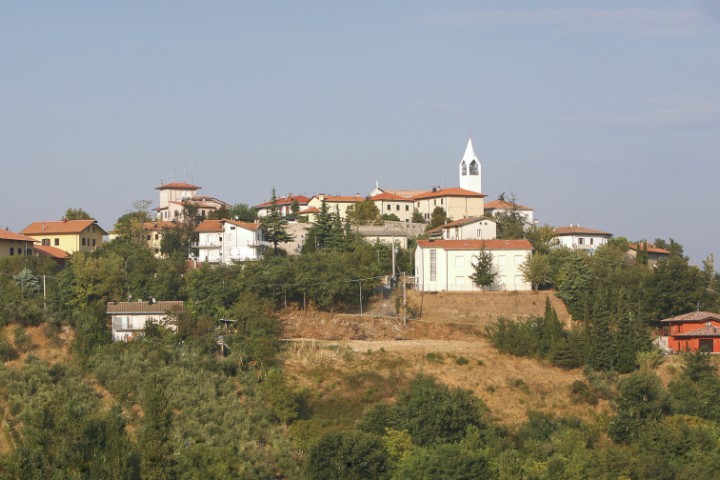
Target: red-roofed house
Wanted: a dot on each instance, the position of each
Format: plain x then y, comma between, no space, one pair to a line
336,204
691,332
473,228
581,238
12,244
284,205
227,241
501,206
457,202
390,203
173,197
69,235
654,254
446,265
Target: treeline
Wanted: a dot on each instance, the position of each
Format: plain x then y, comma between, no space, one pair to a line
431,431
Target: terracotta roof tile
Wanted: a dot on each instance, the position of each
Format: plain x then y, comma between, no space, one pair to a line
390,196
8,235
159,225
572,229
301,199
207,226
52,252
143,307
650,248
178,186
246,225
476,244
309,210
459,223
706,331
701,316
449,192
60,227
500,204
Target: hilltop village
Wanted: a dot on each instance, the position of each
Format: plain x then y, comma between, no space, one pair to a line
349,337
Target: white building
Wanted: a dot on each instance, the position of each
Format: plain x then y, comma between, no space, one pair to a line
473,228
581,238
470,170
446,265
129,318
227,241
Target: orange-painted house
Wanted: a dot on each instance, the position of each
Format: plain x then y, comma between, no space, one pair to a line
693,331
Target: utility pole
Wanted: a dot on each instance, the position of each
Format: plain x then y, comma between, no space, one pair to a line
360,284
44,294
404,282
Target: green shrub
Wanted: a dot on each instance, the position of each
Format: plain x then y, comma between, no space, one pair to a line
462,361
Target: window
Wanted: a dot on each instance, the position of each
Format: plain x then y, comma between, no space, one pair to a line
474,168
397,207
46,242
57,242
83,242
433,265
148,237
463,168
157,236
93,242
581,241
389,207
407,208
591,241
12,251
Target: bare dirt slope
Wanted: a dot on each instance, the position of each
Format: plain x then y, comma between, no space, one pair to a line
447,342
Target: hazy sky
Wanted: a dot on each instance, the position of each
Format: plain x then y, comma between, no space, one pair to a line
605,114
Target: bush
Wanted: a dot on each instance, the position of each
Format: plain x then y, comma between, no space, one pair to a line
347,456
462,361
580,392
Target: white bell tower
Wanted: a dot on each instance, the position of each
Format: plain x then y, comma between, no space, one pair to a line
470,178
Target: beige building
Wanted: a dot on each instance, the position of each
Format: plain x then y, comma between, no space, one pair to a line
457,202
174,196
15,244
446,265
389,203
68,235
501,206
581,238
337,205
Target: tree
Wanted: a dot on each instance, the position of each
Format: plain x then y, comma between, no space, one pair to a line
641,399
363,213
77,214
275,224
131,226
511,223
155,429
537,270
417,216
347,456
390,217
243,212
483,275
438,218
543,238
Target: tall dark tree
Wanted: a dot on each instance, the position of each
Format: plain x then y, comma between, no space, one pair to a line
437,218
275,225
511,223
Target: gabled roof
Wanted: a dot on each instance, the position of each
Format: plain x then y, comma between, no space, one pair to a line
460,223
449,192
207,226
246,225
476,244
650,248
178,186
301,200
308,210
390,196
405,193
503,205
143,307
706,331
575,229
340,198
60,227
8,235
52,252
701,316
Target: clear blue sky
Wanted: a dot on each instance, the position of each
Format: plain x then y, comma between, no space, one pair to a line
605,114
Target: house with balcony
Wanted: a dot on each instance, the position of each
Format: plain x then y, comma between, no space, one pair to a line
68,235
691,332
227,241
174,196
128,319
284,205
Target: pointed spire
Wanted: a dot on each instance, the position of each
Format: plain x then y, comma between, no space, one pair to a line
469,152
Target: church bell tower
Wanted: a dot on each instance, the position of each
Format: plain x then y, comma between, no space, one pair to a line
470,178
